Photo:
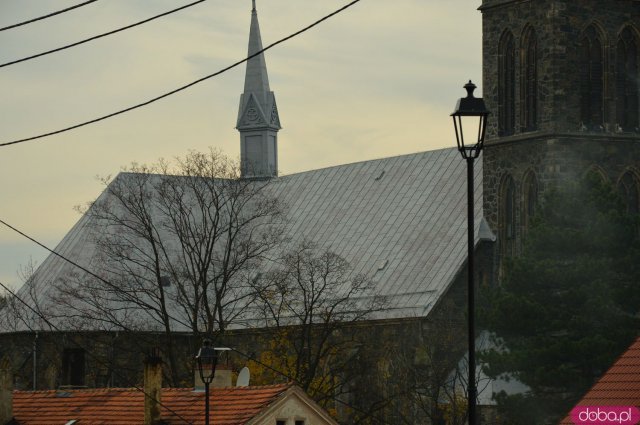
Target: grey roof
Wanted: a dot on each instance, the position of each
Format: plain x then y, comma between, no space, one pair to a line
401,220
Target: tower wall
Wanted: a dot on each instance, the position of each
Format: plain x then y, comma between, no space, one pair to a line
561,147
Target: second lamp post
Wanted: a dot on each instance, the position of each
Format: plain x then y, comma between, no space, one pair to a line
207,360
469,113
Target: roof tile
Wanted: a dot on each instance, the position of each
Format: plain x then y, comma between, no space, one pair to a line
619,386
125,406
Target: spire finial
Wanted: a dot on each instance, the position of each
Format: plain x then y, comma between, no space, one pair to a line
254,5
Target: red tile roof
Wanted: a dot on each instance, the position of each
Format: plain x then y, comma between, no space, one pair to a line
620,386
125,406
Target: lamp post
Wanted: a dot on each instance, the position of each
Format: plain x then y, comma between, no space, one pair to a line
207,360
469,111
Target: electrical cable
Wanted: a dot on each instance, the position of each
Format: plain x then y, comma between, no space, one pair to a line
100,35
84,269
344,403
48,16
93,356
179,89
128,330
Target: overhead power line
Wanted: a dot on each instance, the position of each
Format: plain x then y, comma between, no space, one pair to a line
48,16
73,263
179,89
68,46
279,372
96,358
53,326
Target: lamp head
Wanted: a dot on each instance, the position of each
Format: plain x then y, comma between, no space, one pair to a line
207,360
470,108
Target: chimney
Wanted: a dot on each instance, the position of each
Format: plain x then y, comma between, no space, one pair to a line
6,391
152,387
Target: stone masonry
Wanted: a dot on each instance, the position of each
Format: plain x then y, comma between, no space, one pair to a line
560,148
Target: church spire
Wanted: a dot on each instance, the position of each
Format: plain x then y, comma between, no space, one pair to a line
256,79
258,120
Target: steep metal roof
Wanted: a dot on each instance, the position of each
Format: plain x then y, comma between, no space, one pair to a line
400,220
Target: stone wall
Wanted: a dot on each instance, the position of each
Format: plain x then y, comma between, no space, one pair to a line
393,358
560,149
558,25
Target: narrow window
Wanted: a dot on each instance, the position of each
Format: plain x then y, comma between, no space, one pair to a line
507,217
299,422
506,86
73,367
530,82
627,81
530,198
509,212
591,80
281,422
628,188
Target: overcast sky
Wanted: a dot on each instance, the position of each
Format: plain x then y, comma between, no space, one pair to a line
377,80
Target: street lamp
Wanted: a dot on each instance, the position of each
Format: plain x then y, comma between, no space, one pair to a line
470,110
207,360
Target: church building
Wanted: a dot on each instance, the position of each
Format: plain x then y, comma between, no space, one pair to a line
561,80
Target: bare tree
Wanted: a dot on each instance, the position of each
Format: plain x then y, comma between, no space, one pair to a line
436,376
310,300
175,247
24,310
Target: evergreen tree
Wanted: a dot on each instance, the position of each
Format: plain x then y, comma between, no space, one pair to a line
568,304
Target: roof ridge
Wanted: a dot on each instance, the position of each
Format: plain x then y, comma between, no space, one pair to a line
366,161
284,385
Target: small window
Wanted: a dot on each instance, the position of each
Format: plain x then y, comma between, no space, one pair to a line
507,217
300,422
506,86
530,198
627,75
591,80
628,188
509,212
73,367
281,422
529,89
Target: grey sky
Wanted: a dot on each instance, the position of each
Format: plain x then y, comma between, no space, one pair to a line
377,80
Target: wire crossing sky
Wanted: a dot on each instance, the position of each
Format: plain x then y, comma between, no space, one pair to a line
52,325
86,40
186,86
377,81
29,21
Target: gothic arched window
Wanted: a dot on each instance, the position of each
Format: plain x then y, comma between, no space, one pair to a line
530,198
507,229
529,87
629,190
591,79
506,85
627,80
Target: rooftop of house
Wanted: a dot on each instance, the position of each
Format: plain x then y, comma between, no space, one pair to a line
125,406
619,386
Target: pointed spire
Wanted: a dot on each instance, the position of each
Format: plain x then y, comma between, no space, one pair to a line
256,78
258,119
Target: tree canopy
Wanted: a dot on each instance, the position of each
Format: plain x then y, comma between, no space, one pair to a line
567,306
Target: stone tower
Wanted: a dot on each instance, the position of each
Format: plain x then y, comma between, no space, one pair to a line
258,120
561,79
